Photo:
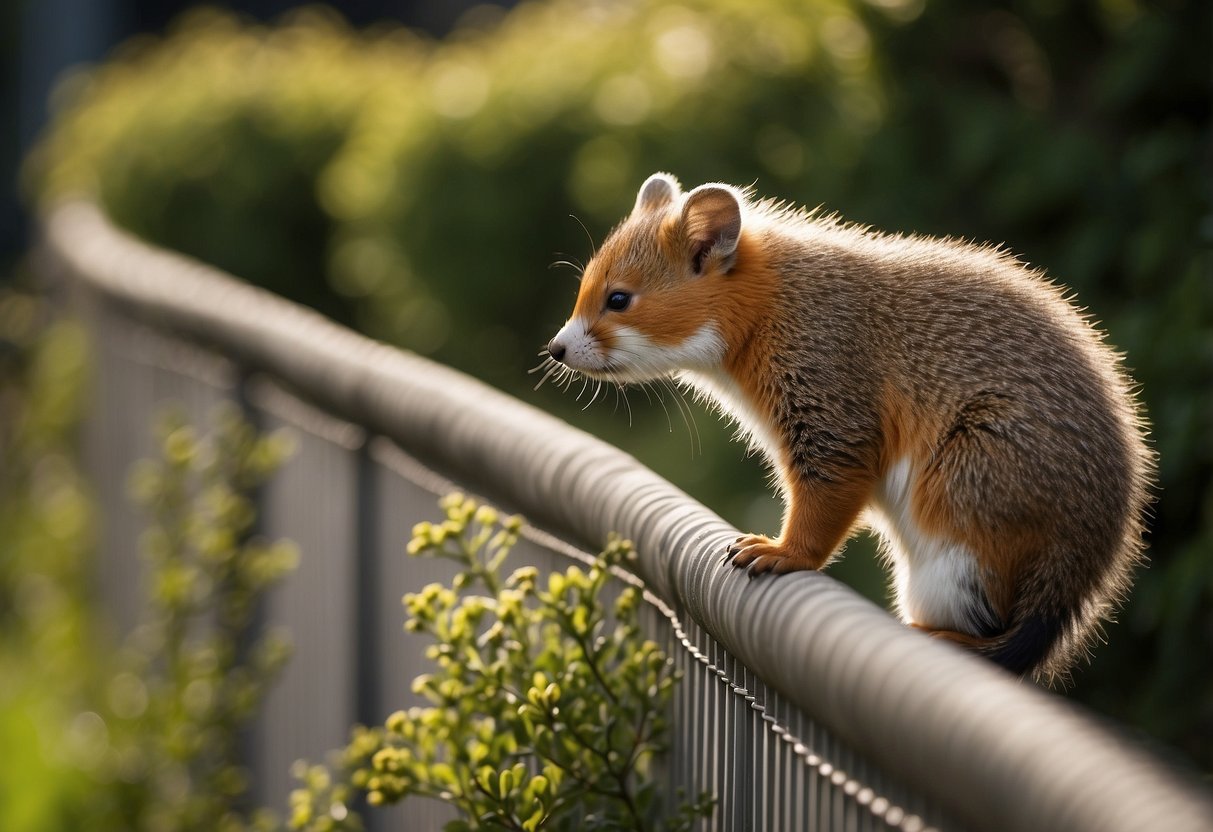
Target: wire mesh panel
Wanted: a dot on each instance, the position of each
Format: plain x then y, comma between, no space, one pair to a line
312,500
769,766
802,706
394,658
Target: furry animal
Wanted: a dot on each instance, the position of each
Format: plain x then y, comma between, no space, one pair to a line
941,393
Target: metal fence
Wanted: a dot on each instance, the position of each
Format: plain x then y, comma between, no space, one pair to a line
803,705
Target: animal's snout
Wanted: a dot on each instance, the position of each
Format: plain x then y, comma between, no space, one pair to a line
557,349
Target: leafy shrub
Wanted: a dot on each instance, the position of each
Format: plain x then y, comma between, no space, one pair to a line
422,188
546,710
193,671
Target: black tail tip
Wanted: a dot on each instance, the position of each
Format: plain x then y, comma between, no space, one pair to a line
1028,643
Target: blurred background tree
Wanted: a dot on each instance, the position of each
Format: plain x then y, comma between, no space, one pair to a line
419,189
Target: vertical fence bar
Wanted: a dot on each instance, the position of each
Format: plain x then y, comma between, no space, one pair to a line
368,706
711,694
679,778
248,740
775,771
309,709
728,762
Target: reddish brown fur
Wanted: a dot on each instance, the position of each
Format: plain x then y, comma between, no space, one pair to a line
862,350
671,311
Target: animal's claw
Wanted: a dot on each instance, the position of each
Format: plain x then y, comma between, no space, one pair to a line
759,555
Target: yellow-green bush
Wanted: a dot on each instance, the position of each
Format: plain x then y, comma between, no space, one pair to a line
547,704
421,189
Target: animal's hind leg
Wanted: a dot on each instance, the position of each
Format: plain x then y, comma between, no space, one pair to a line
974,491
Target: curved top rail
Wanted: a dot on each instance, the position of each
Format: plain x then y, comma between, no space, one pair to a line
993,752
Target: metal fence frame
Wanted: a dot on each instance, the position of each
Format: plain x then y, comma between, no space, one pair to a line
794,653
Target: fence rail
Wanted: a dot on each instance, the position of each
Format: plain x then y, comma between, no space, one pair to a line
804,706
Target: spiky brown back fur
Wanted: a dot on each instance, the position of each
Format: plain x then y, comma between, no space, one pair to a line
978,369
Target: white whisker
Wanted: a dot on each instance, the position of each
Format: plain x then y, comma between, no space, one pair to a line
639,370
552,368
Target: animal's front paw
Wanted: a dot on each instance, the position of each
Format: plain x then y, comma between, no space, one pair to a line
762,554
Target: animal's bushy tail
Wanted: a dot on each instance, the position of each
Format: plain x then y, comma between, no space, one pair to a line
1023,648
1027,645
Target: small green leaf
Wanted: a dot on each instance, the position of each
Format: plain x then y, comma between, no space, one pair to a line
536,818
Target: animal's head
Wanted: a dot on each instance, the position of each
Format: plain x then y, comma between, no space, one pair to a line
653,297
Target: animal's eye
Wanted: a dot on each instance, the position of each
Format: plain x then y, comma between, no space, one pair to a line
618,301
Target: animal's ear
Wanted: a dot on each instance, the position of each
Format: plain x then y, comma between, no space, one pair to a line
658,191
711,220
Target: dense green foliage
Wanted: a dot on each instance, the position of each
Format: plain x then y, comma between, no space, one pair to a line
421,190
547,702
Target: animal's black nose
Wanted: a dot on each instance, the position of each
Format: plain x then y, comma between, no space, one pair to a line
556,349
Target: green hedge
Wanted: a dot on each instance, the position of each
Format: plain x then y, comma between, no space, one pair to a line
421,190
